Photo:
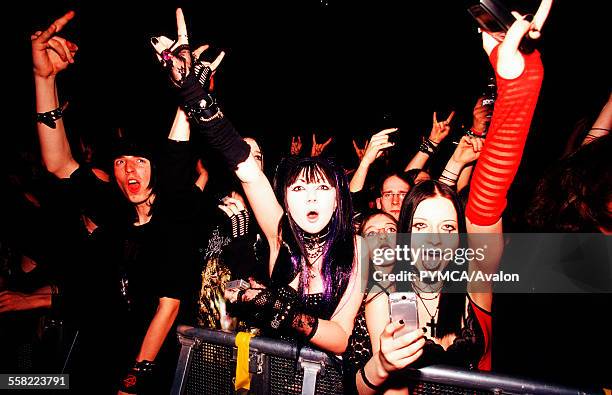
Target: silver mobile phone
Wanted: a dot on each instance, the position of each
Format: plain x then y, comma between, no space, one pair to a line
403,308
238,284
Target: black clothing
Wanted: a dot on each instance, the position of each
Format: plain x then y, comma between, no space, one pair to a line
466,350
124,270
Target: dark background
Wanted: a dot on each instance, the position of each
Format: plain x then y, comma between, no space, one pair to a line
343,69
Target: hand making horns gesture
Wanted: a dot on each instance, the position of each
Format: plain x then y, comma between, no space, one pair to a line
176,55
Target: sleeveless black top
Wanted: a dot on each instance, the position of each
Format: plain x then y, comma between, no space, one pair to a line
469,346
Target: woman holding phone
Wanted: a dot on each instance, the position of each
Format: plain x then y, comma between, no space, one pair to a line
431,209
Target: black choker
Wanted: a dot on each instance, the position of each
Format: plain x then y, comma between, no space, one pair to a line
316,238
314,244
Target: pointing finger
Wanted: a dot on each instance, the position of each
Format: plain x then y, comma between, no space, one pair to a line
56,26
62,21
386,131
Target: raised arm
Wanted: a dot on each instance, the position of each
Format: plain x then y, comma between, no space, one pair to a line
481,117
429,146
519,78
52,54
602,125
192,78
372,151
467,151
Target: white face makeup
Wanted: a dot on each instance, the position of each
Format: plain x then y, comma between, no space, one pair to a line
434,227
133,176
311,205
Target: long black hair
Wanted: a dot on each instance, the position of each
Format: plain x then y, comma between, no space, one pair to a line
339,251
452,304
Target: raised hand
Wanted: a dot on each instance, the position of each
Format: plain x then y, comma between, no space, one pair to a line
360,151
238,215
481,117
510,62
176,55
468,149
439,130
317,149
296,145
376,146
51,53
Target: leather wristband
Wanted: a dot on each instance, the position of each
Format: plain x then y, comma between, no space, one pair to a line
204,110
428,147
135,381
367,382
48,118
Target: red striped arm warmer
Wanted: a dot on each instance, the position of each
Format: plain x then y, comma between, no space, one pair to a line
501,156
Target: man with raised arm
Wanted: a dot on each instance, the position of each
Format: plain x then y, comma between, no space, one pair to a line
128,291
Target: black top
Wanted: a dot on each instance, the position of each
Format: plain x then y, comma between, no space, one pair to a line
466,350
115,285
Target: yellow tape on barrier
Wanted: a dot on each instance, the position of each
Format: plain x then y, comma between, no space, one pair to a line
243,378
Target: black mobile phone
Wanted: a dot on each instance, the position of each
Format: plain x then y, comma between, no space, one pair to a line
493,17
403,307
387,121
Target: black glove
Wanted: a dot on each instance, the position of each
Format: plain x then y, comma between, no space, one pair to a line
192,76
280,309
240,224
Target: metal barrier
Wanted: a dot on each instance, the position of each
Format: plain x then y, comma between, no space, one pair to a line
207,365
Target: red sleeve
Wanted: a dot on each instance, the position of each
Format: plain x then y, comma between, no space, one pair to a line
486,324
501,156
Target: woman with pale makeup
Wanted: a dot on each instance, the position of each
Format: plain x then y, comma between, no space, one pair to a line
312,256
306,219
456,326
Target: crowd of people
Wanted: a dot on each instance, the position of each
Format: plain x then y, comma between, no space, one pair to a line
126,252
